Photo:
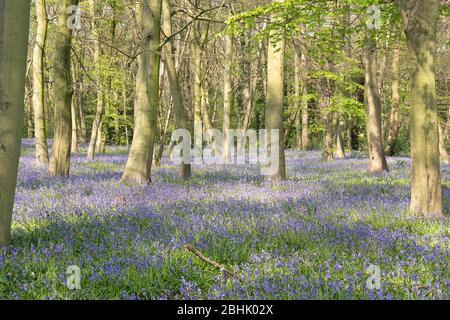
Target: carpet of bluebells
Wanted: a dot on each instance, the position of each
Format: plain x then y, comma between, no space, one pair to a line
311,237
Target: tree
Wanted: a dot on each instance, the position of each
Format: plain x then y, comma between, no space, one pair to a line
96,125
275,94
184,171
139,164
377,158
60,161
420,18
227,98
198,42
38,84
14,24
395,105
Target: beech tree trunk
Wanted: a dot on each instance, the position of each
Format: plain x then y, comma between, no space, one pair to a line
14,24
38,85
275,98
60,162
377,158
420,19
227,99
327,121
96,125
139,164
395,108
442,149
198,46
184,171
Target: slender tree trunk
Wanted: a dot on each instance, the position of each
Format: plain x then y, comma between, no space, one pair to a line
125,109
81,116
184,171
164,136
377,158
207,124
442,149
74,144
339,125
139,164
420,19
327,121
38,85
349,135
305,118
297,98
275,99
96,125
249,93
227,99
14,26
301,101
197,66
60,162
395,108
78,101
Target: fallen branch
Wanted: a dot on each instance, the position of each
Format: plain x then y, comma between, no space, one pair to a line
213,263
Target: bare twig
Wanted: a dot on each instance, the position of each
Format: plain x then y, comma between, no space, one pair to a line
213,263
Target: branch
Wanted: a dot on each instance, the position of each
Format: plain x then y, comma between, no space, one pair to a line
213,263
193,19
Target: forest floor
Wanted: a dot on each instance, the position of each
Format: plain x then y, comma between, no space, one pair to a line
313,236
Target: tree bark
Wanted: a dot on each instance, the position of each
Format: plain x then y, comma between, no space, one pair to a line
14,26
395,108
327,121
227,99
442,149
198,45
377,158
139,164
60,162
275,97
249,91
184,171
42,158
74,139
96,125
297,98
420,19
339,125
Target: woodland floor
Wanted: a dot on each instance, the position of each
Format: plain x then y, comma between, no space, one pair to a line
310,237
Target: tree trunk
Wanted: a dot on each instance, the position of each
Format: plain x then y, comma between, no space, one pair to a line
125,109
139,164
420,19
38,85
74,144
60,162
297,93
81,116
442,149
249,92
305,118
197,66
327,122
275,99
207,124
96,125
14,26
350,135
339,125
395,108
377,158
184,171
227,99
